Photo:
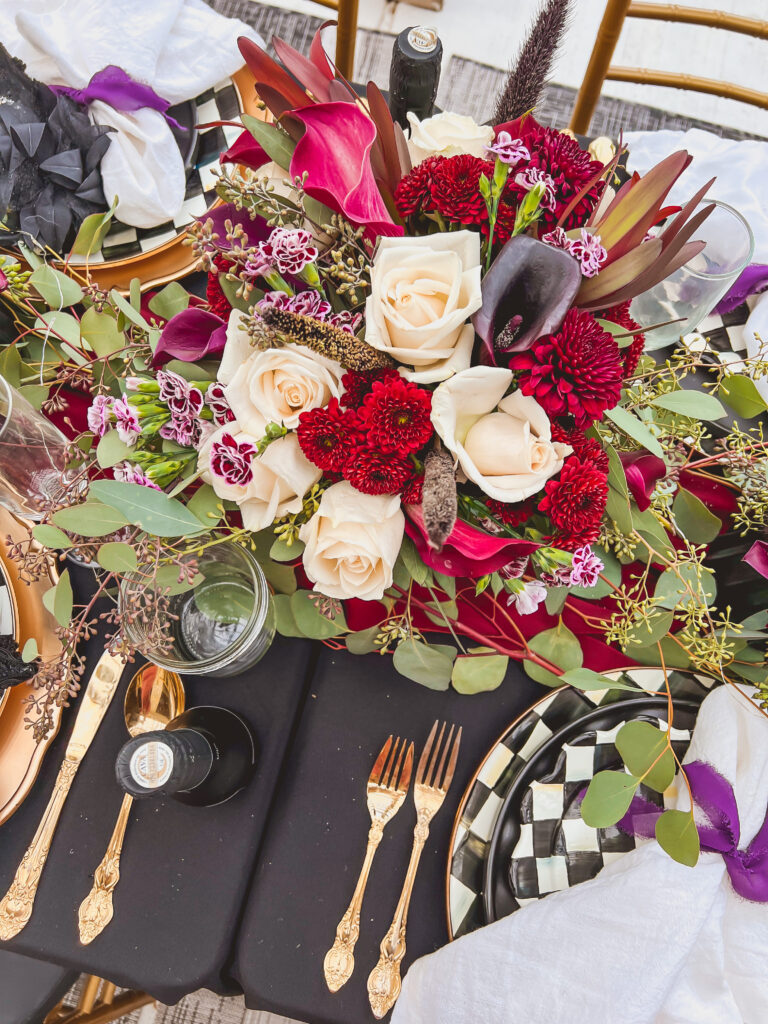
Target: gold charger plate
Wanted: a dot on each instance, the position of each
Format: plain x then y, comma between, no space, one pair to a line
20,754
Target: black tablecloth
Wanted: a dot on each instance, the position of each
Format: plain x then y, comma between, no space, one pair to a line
185,870
316,837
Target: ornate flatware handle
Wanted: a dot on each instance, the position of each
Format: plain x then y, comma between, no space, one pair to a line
96,910
16,905
340,960
384,980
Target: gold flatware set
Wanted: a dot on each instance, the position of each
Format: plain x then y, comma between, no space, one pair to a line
386,790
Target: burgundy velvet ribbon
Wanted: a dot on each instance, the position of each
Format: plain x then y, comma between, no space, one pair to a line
114,86
748,868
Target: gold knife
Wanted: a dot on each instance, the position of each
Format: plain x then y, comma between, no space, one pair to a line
16,905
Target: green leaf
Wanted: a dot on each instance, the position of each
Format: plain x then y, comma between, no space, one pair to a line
274,141
93,231
446,584
91,519
57,289
677,835
50,536
742,396
230,293
608,798
285,623
697,523
167,578
585,679
100,331
111,449
117,557
484,671
192,372
619,510
617,478
678,587
35,394
649,629
170,300
59,599
428,664
417,570
57,322
560,647
697,405
442,610
152,510
281,551
29,651
629,424
204,504
640,744
674,656
649,527
12,366
311,621
555,599
363,641
128,311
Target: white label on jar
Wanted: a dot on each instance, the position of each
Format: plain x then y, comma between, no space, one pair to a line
423,39
151,764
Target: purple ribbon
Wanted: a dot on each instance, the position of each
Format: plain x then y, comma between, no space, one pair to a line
747,869
114,86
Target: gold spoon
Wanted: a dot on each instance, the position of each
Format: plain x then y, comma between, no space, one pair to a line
154,697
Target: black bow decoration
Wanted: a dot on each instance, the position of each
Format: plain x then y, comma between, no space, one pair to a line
12,669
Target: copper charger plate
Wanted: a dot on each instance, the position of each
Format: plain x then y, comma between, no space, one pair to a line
20,754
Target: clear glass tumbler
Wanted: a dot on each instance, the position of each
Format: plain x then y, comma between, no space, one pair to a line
694,290
220,627
33,463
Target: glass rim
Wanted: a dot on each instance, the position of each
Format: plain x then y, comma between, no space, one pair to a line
256,621
734,273
7,394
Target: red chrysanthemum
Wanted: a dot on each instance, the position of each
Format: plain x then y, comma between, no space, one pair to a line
413,492
218,302
631,354
575,502
358,383
375,472
396,415
327,435
586,448
577,372
569,166
455,188
414,193
511,514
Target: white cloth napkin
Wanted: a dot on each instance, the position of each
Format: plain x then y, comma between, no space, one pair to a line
647,940
739,166
756,338
178,47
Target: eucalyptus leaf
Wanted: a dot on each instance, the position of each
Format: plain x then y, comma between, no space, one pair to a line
92,231
630,425
608,798
170,300
29,651
125,307
363,641
619,510
111,449
649,527
418,571
167,578
101,332
116,556
646,753
285,623
673,654
555,599
649,629
57,289
483,670
446,584
281,551
679,586
695,404
56,324
560,647
311,621
91,519
152,510
51,536
677,835
741,394
204,504
585,679
35,394
428,664
59,600
693,518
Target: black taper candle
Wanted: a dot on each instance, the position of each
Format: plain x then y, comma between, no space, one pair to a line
414,73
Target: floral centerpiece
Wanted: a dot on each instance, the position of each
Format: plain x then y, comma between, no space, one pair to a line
415,390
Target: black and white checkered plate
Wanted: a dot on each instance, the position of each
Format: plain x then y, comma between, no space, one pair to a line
520,744
222,103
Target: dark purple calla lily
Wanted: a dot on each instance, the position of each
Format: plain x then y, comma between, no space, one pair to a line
191,335
757,557
531,281
256,228
643,471
468,552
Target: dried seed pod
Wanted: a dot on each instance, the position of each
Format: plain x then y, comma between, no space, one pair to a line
345,348
439,504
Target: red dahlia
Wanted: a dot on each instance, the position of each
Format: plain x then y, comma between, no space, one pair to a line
327,435
575,502
631,354
577,372
587,448
455,188
375,472
217,301
396,416
413,492
511,514
358,383
414,193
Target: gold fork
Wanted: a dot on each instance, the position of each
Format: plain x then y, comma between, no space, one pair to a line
428,795
386,792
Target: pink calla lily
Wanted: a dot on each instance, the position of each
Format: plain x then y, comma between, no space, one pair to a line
642,471
468,552
757,557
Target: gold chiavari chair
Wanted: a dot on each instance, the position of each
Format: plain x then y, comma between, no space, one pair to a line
98,1004
346,31
600,67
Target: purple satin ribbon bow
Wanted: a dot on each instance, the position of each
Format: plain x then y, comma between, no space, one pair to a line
747,869
114,86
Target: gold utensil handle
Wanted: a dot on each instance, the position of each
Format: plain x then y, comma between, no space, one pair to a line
339,960
384,980
16,905
96,909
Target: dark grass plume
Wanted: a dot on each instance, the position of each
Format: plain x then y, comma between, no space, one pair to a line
353,353
533,67
439,502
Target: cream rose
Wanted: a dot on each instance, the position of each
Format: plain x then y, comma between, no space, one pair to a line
275,385
447,134
352,542
423,290
504,445
265,486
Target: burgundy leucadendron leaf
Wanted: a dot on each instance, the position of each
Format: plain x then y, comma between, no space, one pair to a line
317,53
310,77
268,71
